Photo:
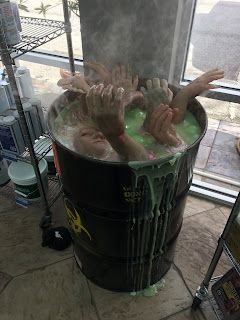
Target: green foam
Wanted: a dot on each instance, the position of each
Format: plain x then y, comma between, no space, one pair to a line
189,130
151,291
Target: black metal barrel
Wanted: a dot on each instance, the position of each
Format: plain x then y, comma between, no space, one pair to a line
122,241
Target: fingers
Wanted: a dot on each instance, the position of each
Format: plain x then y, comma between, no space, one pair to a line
123,71
116,74
164,85
214,71
97,96
213,86
149,84
170,136
157,116
118,97
135,82
100,69
89,97
168,120
97,67
80,83
65,73
63,82
133,97
107,95
129,72
170,95
212,75
156,83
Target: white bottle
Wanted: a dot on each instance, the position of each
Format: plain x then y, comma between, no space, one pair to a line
11,138
36,125
8,23
9,93
36,103
17,78
25,81
28,120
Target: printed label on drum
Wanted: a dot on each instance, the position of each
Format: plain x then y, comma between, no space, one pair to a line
133,195
74,219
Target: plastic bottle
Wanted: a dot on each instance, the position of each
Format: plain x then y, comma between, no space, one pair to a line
8,23
25,81
34,119
36,103
27,109
17,78
8,91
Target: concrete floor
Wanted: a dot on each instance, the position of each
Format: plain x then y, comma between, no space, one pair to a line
40,283
217,153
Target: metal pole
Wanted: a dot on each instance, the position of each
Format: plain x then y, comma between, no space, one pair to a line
68,30
7,61
234,213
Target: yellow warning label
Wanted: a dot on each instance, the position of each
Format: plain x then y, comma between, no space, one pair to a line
74,219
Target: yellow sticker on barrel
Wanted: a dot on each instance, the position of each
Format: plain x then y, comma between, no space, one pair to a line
132,195
74,219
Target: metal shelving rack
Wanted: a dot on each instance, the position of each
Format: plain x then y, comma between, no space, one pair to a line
35,33
43,146
202,293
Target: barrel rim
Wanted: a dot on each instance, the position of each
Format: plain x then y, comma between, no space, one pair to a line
126,163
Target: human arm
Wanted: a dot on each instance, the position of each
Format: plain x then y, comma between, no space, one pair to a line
156,92
76,83
120,77
160,126
107,112
193,89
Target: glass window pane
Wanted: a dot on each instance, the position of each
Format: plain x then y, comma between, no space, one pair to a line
55,12
215,40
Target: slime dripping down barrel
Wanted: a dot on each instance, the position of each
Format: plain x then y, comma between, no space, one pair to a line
125,218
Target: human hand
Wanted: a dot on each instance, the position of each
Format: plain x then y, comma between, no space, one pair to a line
123,77
101,70
157,92
76,83
107,109
202,83
120,77
160,126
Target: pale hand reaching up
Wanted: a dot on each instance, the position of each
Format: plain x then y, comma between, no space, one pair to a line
120,77
160,126
76,83
157,92
107,112
193,89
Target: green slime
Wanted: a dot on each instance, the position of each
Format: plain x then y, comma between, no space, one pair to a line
188,129
161,175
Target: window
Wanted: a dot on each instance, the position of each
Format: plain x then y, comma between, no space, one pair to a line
215,42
